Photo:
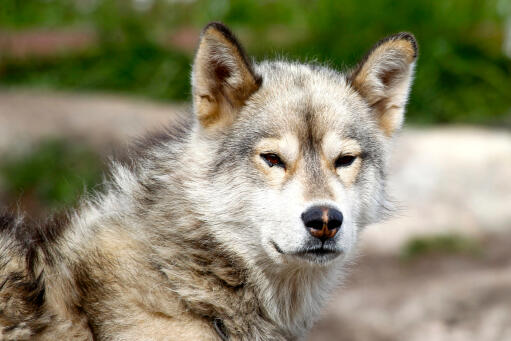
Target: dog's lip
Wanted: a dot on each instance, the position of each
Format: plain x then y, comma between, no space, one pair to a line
321,251
316,251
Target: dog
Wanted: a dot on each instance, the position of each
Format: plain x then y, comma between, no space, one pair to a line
237,223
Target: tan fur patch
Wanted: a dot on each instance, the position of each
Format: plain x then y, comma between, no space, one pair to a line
287,148
349,173
391,120
157,326
333,146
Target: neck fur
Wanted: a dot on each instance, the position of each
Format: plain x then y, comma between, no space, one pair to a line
293,295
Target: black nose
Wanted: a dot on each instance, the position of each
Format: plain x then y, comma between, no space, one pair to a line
322,222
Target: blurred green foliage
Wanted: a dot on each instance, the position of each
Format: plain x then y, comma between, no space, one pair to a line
53,175
144,69
442,244
463,74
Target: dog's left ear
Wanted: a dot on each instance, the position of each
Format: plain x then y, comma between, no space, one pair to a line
384,78
222,77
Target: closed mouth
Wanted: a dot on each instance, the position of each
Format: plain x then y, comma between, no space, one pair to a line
318,253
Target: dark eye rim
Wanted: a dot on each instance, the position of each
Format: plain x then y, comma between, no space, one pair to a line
272,160
345,160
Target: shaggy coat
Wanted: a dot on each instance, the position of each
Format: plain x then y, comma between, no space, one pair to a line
201,233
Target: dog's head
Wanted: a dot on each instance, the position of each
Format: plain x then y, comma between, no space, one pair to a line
296,154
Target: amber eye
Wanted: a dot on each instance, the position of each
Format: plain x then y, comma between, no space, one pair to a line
344,160
273,160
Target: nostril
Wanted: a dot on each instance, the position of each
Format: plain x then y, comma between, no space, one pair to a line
315,224
335,219
333,224
313,218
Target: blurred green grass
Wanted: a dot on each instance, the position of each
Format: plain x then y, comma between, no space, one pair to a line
53,175
463,75
143,69
440,244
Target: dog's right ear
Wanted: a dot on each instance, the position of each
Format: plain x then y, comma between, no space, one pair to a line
222,77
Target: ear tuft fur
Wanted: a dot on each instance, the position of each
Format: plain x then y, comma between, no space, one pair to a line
384,77
222,77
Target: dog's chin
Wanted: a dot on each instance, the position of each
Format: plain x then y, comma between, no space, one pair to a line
321,254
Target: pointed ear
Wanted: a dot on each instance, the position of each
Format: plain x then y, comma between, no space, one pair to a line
384,78
222,77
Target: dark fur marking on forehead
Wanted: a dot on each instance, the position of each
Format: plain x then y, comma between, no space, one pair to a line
310,144
311,148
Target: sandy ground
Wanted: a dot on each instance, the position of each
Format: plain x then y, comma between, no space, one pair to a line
443,180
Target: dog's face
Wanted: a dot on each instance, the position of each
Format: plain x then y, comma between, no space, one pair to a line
299,151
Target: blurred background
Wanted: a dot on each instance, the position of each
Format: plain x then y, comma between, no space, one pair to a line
80,78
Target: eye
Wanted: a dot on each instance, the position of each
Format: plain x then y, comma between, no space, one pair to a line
344,161
273,160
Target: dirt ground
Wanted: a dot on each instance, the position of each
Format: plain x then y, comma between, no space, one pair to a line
434,297
444,180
